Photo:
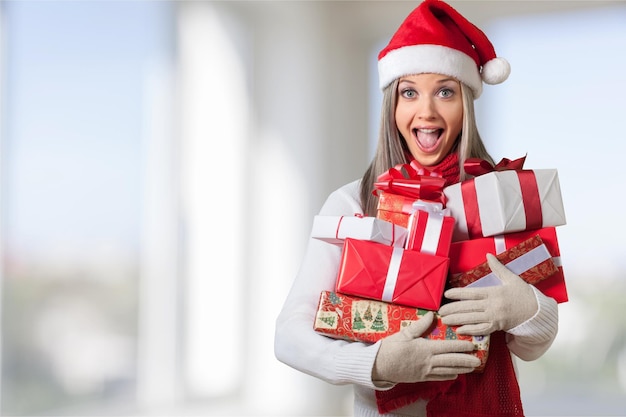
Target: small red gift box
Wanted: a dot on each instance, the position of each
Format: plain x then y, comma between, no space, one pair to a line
430,229
399,187
394,208
468,254
506,201
334,229
346,317
392,274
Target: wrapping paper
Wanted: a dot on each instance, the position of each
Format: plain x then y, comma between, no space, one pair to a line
346,317
391,274
430,229
468,254
505,202
529,259
334,229
394,208
399,187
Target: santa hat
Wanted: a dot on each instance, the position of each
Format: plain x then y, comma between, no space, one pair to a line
435,38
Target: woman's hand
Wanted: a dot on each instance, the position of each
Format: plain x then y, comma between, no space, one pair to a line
482,311
407,357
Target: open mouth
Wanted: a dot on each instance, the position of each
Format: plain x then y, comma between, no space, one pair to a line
427,139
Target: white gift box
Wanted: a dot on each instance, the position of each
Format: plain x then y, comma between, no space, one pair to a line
505,202
334,229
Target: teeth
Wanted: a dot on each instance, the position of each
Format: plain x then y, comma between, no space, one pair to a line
427,130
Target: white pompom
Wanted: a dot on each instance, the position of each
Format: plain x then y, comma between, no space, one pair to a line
496,71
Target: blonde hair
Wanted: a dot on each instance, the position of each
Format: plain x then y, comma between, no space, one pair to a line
392,150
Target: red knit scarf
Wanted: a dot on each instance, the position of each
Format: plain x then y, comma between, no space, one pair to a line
493,392
448,168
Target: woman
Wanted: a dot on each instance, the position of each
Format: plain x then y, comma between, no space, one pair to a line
430,73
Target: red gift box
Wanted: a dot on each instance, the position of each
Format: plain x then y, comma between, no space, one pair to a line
346,317
467,254
392,274
394,208
430,229
529,259
506,200
399,187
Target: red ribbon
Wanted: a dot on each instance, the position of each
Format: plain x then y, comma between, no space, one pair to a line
531,199
338,227
528,185
472,213
476,166
413,181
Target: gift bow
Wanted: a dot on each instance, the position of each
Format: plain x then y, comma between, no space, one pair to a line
433,209
411,180
477,166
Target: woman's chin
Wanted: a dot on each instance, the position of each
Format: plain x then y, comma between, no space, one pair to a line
428,159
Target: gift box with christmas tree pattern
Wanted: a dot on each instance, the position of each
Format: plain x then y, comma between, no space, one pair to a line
347,317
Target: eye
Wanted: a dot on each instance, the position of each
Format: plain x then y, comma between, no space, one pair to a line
408,93
446,92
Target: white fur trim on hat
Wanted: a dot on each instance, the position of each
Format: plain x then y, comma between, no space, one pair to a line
437,59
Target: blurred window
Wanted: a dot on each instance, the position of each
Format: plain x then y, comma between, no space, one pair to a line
79,84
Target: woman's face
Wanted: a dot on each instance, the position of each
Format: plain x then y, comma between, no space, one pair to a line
429,115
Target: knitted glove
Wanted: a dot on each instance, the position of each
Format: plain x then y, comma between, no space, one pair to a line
482,311
407,357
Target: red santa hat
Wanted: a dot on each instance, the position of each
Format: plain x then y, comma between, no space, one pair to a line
435,38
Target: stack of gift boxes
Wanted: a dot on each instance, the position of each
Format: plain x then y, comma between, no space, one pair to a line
426,237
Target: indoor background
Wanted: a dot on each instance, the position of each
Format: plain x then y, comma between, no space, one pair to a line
161,163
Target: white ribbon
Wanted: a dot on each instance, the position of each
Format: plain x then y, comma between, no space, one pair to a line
432,233
500,243
392,275
429,206
525,262
434,224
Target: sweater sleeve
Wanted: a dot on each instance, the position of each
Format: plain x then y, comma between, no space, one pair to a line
296,343
531,339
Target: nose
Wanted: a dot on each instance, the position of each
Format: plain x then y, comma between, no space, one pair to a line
426,108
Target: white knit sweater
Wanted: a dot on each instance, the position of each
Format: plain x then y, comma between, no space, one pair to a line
342,362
